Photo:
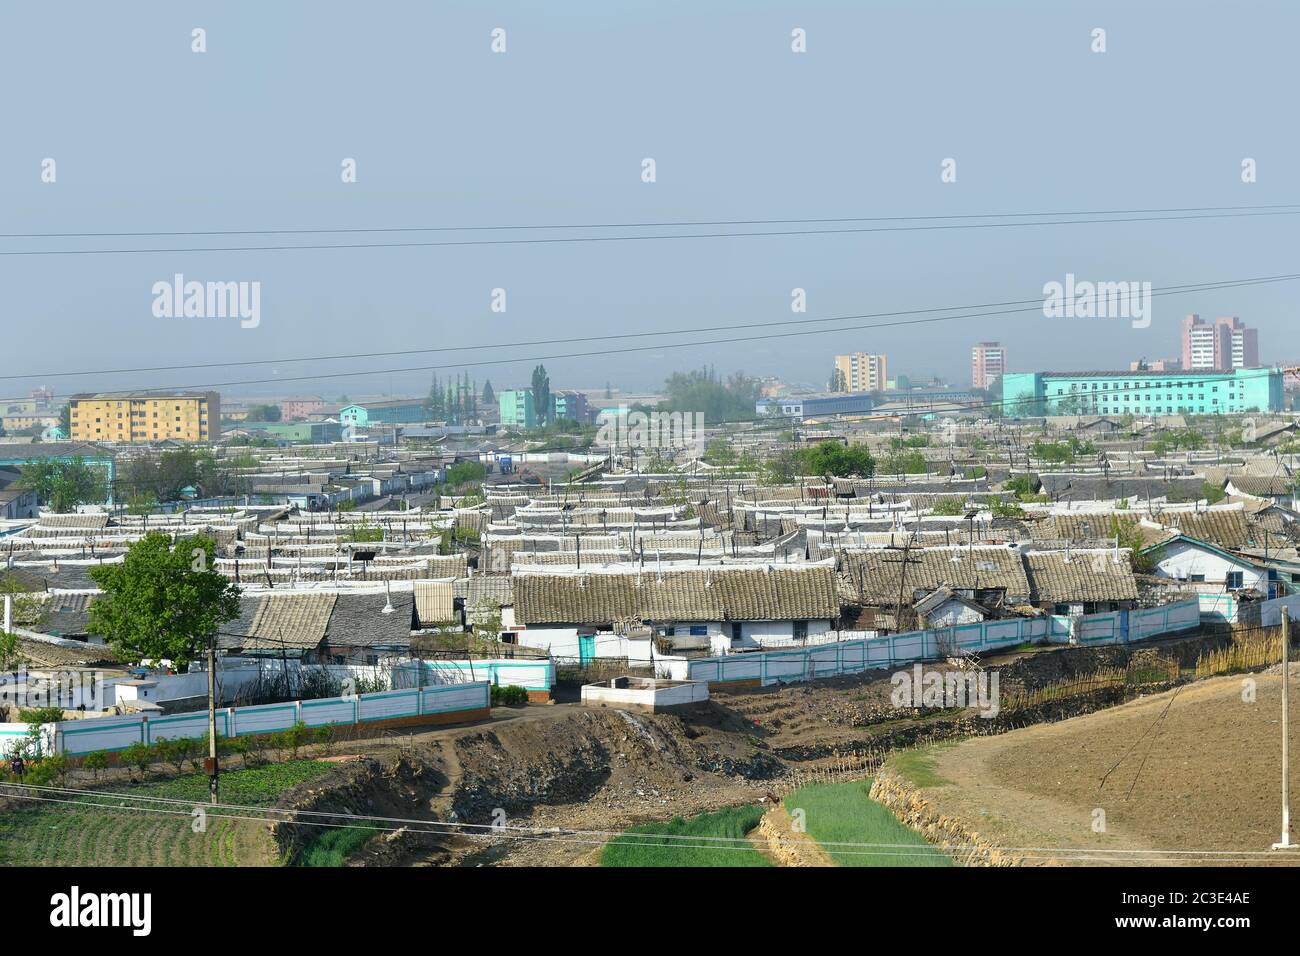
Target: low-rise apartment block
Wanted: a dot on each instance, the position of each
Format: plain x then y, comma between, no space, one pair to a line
127,417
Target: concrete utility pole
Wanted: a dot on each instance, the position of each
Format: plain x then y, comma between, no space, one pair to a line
1285,843
212,718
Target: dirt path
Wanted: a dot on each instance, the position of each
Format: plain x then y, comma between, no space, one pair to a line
784,846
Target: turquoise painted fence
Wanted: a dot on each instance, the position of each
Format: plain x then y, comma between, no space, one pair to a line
848,657
114,734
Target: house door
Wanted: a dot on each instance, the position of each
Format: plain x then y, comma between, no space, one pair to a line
586,647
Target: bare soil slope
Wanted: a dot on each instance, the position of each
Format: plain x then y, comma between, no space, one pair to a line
1194,769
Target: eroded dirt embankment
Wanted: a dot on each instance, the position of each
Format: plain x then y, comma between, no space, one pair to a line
579,769
569,769
966,846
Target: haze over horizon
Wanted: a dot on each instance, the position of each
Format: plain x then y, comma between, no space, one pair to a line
250,136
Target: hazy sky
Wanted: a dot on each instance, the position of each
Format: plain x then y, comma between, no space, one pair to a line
150,136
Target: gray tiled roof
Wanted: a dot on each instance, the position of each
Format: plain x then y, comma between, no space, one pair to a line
299,621
1261,486
878,577
1084,576
708,594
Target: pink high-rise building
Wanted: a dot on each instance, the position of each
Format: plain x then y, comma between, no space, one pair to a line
988,363
1224,345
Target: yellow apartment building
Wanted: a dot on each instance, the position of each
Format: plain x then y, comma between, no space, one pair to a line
862,371
14,423
144,417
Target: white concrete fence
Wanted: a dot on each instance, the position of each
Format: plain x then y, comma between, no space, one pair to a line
893,650
113,734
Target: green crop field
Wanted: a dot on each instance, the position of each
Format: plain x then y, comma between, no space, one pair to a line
637,847
334,845
845,813
94,832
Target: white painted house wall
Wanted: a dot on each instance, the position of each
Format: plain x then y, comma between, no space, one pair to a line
1181,560
951,613
759,634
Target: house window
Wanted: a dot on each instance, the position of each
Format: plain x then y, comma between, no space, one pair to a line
1196,578
735,631
1235,580
801,630
699,630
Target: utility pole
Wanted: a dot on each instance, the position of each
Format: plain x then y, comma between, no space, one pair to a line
1285,843
212,717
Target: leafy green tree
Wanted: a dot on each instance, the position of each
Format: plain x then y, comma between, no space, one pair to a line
1005,509
141,504
833,459
264,413
1179,439
28,610
719,452
364,531
904,463
464,472
1128,534
65,484
163,601
542,394
1026,405
702,390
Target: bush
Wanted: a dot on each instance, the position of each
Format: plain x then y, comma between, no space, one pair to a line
1005,509
324,737
139,755
174,750
236,747
293,739
41,715
281,740
508,696
904,463
96,763
47,770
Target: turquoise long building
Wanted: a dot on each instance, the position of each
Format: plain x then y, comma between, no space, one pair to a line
1142,393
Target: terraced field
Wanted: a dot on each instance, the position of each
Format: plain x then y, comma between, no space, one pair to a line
856,830
720,839
99,831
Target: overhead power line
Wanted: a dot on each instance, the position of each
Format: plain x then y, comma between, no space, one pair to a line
674,224
691,330
553,240
179,807
515,360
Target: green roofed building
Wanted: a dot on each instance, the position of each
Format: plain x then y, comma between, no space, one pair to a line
1143,393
